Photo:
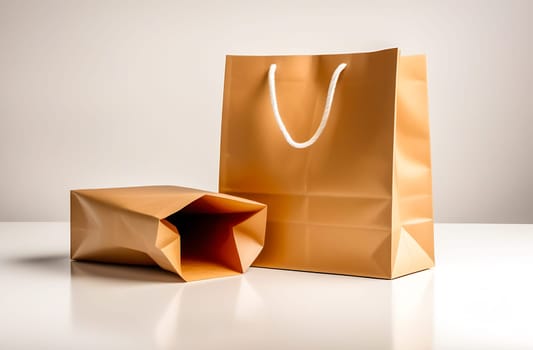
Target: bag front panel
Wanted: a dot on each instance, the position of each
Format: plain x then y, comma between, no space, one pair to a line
336,193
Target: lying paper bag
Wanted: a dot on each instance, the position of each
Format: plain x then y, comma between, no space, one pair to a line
192,233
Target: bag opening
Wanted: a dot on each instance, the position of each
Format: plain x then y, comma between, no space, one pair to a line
206,239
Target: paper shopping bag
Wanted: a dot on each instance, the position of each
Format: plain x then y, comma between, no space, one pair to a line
192,233
338,148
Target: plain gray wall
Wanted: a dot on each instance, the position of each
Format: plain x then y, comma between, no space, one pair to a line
115,93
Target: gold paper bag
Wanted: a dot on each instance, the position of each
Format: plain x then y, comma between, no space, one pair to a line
348,190
192,233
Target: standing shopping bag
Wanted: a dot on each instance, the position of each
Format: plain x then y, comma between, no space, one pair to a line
338,148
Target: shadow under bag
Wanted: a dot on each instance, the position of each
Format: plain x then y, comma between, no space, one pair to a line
338,148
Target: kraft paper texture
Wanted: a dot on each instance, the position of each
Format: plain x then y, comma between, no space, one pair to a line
359,200
193,233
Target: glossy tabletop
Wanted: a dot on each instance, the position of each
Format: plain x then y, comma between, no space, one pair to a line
480,296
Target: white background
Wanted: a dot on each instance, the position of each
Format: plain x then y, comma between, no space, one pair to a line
115,93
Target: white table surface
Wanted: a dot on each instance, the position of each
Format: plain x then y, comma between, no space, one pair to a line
480,296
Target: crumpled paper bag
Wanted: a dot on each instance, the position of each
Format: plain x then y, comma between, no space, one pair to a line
193,233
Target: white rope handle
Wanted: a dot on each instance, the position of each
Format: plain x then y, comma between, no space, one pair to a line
325,115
